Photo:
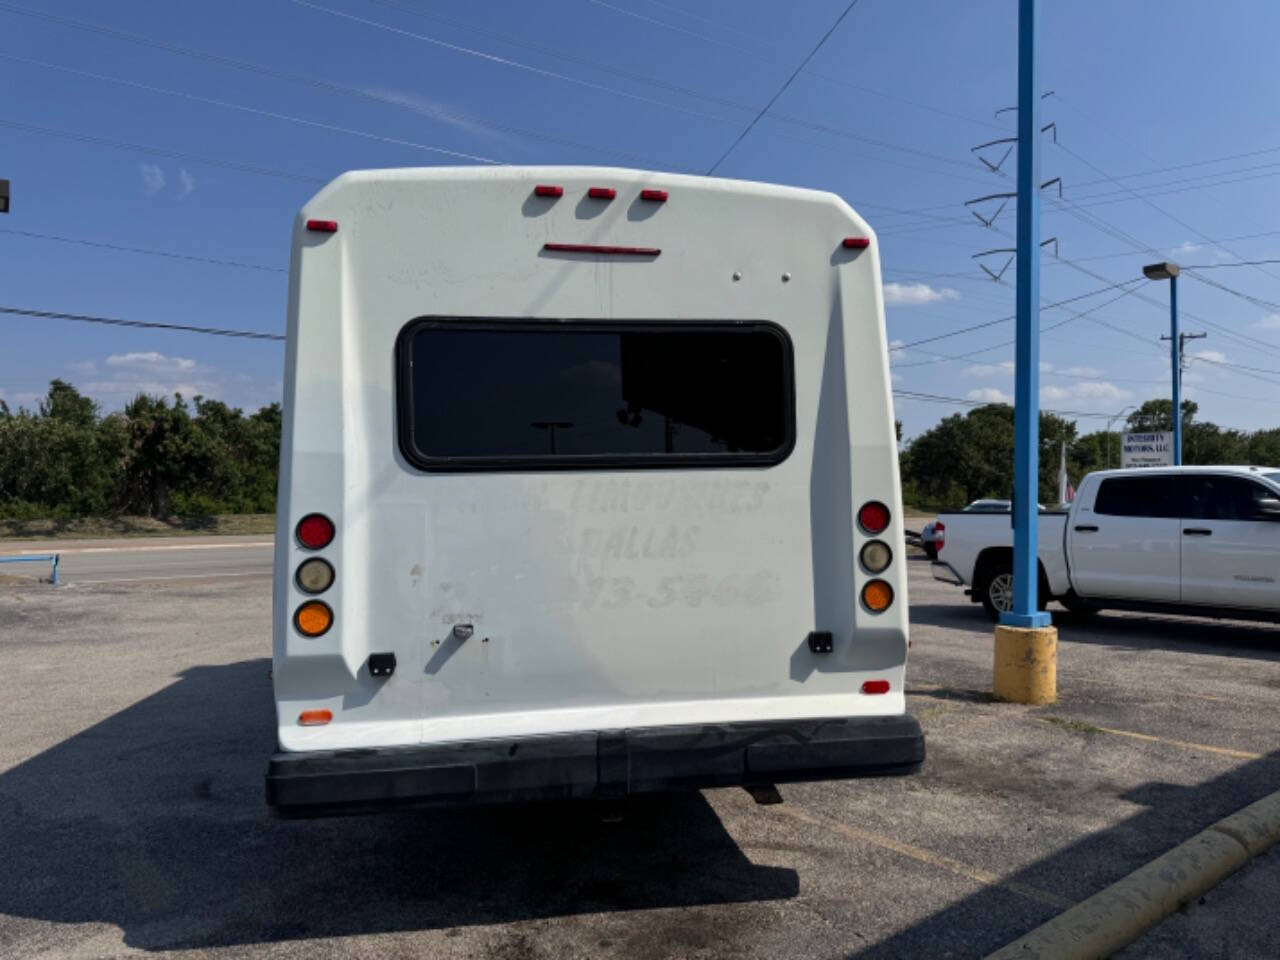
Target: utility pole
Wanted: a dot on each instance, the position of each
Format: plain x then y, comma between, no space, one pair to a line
1026,644
1169,271
1026,424
1179,364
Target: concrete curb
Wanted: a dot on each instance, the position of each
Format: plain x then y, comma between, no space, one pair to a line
1118,915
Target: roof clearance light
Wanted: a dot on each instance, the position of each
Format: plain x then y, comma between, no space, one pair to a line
856,243
314,718
322,226
873,517
602,193
877,595
876,686
547,190
313,618
654,196
315,531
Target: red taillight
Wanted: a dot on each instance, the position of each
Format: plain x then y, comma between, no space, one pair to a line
654,196
547,190
322,226
873,517
314,718
856,243
602,193
315,531
939,535
876,686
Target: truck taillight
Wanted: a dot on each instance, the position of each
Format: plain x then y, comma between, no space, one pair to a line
939,535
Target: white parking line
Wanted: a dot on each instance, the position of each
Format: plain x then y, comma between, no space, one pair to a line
188,576
147,549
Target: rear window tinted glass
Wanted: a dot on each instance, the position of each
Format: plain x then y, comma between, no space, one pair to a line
520,394
1137,497
1214,497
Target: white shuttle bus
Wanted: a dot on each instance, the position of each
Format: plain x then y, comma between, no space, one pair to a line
588,487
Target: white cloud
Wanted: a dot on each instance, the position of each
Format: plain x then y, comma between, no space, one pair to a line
153,178
434,109
1007,367
914,294
1088,390
989,395
1187,247
1270,322
1213,356
150,361
188,183
1080,372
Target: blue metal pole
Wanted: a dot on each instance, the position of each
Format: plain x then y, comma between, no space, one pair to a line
1176,346
1026,416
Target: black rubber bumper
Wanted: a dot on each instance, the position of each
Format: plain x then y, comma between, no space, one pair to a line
594,764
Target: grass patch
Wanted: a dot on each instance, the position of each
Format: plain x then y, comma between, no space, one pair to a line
1079,726
84,528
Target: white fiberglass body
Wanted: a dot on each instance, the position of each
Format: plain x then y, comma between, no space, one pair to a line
586,596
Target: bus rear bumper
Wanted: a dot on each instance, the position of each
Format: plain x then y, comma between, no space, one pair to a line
595,764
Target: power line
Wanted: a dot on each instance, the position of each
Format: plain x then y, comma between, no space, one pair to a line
781,90
1256,301
939,398
160,152
143,324
144,250
1215,266
1047,306
438,114
614,91
269,114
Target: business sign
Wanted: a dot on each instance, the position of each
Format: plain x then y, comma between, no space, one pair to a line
1146,449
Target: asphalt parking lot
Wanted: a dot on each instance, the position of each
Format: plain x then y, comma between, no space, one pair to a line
137,722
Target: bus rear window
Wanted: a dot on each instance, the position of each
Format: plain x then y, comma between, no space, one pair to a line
485,394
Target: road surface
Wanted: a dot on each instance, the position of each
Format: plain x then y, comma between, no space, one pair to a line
133,559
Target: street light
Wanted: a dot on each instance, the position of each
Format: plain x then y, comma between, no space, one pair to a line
1169,271
1111,420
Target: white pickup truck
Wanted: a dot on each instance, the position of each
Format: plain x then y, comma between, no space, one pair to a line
1200,540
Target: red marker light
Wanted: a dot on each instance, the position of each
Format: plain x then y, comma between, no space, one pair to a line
602,193
856,243
654,196
547,190
876,686
322,226
315,531
873,517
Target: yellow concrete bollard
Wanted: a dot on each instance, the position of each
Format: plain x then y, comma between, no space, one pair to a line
1026,664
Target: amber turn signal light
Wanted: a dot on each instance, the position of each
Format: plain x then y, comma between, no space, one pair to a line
877,595
313,618
314,718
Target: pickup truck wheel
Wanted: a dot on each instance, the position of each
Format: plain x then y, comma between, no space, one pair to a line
996,590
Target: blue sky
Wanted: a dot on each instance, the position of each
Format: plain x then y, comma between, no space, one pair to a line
1168,141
